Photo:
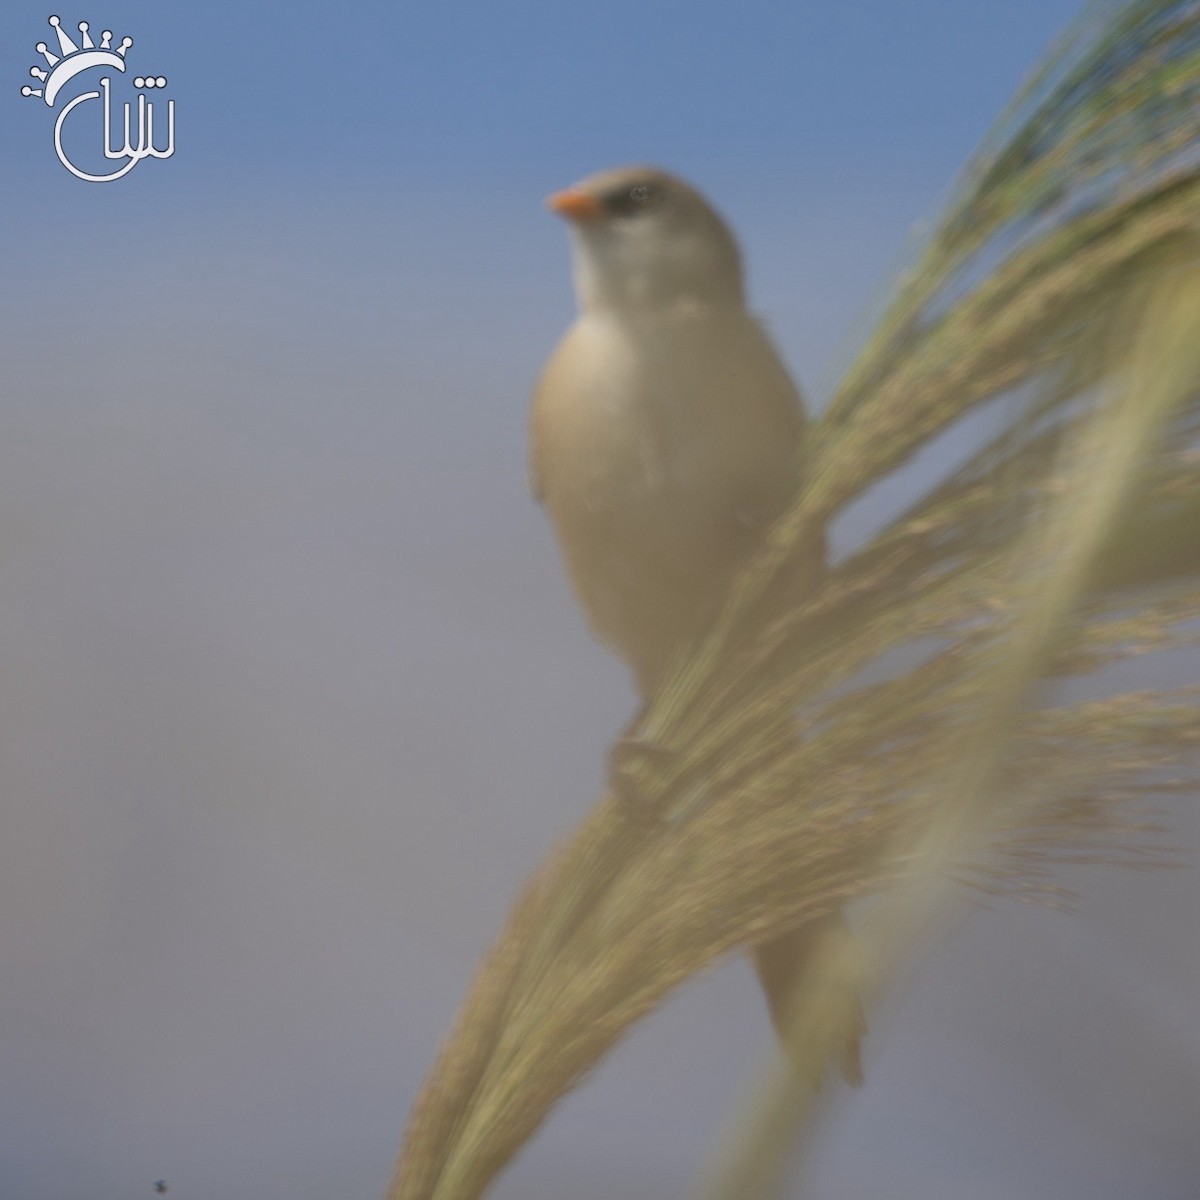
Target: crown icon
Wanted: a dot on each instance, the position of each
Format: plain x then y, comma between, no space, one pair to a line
72,59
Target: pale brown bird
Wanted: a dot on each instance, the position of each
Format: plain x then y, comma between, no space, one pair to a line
664,437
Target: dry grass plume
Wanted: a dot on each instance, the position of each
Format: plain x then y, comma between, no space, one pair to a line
1063,274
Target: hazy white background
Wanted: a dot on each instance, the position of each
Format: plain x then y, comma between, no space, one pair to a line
293,692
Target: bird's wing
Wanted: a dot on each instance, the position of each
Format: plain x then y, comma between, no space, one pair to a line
552,395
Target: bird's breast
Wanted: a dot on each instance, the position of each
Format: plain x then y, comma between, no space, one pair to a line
649,444
631,415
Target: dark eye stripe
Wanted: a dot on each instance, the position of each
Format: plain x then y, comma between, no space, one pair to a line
633,199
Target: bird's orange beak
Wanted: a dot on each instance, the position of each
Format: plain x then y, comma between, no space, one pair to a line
575,205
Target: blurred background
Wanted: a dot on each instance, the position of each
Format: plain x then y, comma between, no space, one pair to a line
294,692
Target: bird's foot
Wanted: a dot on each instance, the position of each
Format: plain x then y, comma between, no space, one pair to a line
636,766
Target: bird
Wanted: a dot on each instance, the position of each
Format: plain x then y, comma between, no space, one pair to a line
665,436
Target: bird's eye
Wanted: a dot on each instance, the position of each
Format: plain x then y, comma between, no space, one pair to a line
633,199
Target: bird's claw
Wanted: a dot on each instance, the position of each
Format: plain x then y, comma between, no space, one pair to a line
634,762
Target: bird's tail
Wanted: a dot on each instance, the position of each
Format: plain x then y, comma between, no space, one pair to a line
784,970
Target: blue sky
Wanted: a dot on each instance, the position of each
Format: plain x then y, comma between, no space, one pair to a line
377,172
460,94
485,108
296,692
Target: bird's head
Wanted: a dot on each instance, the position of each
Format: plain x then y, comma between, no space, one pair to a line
645,240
